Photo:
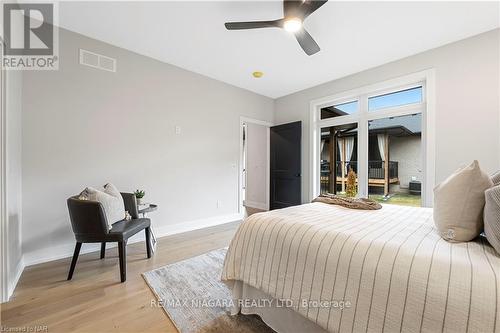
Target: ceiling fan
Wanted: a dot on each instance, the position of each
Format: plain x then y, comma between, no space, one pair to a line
294,12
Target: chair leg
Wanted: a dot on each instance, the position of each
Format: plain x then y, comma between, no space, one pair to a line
148,242
103,250
122,246
78,246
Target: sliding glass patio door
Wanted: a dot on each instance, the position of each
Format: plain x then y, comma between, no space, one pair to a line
395,160
339,159
370,143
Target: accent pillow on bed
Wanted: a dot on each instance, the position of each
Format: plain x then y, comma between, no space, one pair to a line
459,203
111,200
492,216
496,178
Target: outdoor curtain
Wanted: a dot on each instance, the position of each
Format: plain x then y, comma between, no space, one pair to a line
381,138
349,148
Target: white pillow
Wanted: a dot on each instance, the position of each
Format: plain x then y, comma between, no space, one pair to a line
492,217
459,204
111,200
112,190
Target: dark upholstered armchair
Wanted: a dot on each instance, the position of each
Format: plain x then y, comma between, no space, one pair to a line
90,226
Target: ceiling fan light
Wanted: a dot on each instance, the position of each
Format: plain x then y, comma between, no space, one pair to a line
292,24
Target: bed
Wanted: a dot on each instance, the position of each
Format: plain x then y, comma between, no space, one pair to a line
328,268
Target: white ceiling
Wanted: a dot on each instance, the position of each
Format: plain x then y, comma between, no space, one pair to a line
353,36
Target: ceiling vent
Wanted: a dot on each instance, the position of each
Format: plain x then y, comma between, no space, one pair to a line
98,61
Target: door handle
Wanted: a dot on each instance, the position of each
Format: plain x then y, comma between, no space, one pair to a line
297,175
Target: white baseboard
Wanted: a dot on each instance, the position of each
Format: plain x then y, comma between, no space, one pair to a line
12,284
254,204
195,224
66,250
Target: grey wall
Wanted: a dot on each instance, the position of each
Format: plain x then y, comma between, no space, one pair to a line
85,127
467,102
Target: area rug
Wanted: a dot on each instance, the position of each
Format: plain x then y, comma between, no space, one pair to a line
196,300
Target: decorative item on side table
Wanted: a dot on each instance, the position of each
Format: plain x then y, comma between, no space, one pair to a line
139,195
144,208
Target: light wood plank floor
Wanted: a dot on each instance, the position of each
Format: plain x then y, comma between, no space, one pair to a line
95,300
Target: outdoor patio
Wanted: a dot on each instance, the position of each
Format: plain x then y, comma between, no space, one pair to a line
401,199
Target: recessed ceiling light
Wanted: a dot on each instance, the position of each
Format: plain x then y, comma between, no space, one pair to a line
257,74
292,24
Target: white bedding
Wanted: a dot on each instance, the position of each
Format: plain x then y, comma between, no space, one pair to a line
279,318
389,269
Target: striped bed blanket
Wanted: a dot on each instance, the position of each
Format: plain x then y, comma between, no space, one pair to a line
368,271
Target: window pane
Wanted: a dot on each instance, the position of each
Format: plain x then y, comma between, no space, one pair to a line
339,160
339,110
394,160
403,97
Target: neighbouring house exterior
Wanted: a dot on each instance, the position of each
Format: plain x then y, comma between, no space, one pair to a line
407,152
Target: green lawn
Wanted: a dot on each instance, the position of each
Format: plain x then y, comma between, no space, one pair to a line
399,199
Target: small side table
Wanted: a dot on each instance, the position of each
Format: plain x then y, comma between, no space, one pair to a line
147,210
143,212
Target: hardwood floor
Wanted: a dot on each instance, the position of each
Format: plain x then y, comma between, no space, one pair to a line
95,300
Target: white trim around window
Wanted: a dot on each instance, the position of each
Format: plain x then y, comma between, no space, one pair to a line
425,79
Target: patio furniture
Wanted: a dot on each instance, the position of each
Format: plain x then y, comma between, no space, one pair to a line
415,187
376,172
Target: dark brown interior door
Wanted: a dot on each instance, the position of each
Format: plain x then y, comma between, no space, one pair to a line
285,165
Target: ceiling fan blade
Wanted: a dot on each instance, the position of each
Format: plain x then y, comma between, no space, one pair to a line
310,6
253,25
307,43
291,8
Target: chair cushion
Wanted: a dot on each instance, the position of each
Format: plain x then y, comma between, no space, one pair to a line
123,230
492,217
459,204
110,199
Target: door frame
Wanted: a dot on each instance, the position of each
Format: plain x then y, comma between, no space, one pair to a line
427,79
267,124
4,231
